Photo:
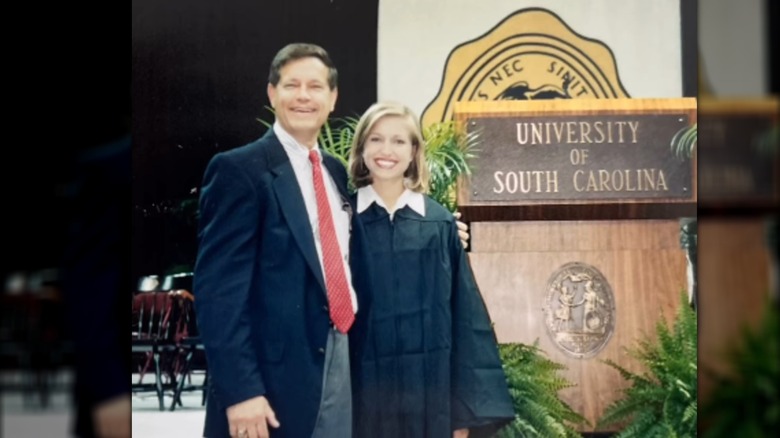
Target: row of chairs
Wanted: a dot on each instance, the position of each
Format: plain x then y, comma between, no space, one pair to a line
35,351
34,348
166,345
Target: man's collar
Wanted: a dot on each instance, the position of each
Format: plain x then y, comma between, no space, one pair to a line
289,142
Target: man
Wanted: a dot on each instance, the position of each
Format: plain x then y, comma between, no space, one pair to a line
277,364
278,277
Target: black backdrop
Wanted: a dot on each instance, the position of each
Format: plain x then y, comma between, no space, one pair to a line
199,75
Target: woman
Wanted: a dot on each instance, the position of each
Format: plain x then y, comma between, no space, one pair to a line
425,359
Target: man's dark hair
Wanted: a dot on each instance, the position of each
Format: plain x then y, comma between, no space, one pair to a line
294,51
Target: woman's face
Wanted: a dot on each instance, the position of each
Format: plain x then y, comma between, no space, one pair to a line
388,149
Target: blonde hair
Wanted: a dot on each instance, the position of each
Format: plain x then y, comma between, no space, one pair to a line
417,173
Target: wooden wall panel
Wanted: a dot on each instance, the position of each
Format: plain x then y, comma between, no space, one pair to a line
574,235
734,266
641,260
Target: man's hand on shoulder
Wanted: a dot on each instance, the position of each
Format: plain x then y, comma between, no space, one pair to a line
251,418
463,230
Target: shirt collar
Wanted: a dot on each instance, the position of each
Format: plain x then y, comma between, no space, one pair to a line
291,145
367,195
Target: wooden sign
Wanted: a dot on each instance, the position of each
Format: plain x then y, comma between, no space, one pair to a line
739,144
578,151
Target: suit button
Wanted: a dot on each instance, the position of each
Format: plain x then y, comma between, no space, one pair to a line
321,350
325,308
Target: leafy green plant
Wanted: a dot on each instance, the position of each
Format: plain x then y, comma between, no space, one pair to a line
336,137
684,141
660,402
534,384
746,401
447,152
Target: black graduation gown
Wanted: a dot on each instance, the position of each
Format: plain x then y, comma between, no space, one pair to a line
427,361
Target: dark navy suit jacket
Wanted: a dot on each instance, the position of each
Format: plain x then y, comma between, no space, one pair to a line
261,303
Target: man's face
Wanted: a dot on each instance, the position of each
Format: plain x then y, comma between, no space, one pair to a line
302,99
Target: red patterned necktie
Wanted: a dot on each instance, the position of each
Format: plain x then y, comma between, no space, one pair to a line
339,300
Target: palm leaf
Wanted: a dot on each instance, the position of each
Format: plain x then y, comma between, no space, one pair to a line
448,150
264,122
684,141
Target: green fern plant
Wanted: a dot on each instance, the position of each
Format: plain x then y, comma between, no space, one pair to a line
746,401
534,384
660,402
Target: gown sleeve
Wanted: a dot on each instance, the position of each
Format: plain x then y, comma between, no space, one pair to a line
480,396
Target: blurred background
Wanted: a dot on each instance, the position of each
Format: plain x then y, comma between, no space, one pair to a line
68,197
739,372
66,171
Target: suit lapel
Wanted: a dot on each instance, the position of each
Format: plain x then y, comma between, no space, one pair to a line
288,193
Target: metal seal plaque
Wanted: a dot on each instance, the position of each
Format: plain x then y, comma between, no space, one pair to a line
579,310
